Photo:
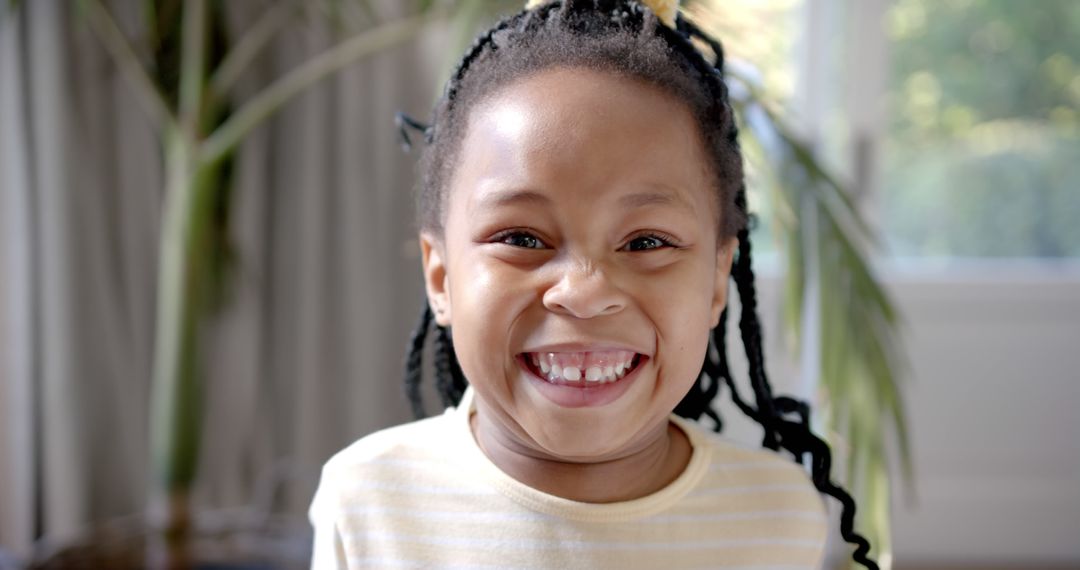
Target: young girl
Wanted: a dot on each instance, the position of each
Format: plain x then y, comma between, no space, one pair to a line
581,213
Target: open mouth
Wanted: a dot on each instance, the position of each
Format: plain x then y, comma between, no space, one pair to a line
582,369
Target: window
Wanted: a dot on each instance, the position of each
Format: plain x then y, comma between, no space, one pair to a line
982,157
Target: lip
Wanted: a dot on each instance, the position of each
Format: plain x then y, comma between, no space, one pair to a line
585,395
587,347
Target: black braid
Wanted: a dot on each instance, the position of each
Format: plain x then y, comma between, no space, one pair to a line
413,364
795,437
751,335
579,16
443,350
691,30
449,378
403,121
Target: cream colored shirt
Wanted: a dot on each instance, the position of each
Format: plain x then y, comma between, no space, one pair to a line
423,495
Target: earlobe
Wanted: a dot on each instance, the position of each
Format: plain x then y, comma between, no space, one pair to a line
436,282
725,254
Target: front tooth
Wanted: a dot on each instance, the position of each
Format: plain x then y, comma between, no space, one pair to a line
571,373
609,373
593,374
556,371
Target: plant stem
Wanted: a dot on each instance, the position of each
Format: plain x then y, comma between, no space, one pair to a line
146,91
175,391
192,66
250,44
266,103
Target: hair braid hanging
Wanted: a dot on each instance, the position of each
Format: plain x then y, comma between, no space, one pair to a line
795,437
443,350
742,271
414,364
449,378
750,328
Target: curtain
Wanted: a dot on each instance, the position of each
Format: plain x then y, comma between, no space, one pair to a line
306,355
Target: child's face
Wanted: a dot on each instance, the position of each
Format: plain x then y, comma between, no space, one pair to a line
568,183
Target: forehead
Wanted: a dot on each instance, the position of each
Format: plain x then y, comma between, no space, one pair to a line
587,130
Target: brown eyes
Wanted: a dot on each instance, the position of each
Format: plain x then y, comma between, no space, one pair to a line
647,242
520,239
643,242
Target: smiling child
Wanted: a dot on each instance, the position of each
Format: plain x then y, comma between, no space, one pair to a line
582,212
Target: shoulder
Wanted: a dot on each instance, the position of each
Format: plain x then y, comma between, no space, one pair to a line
384,462
771,495
410,467
414,439
757,470
422,440
731,452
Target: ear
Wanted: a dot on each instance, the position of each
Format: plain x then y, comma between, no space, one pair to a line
436,281
725,254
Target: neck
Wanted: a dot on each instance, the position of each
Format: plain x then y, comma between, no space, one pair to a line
635,474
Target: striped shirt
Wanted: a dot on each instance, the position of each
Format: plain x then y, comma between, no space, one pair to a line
423,495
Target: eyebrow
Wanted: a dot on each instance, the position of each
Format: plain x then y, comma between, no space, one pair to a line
642,199
501,198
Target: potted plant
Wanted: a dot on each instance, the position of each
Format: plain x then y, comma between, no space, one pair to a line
188,95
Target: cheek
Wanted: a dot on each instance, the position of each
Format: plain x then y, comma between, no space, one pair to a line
681,306
486,300
684,295
487,290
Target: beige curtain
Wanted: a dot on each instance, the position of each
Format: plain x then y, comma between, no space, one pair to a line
306,356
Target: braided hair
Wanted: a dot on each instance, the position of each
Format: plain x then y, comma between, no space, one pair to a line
622,37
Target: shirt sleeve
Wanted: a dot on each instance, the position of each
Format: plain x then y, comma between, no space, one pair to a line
328,550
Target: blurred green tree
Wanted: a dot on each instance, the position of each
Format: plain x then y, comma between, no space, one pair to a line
984,148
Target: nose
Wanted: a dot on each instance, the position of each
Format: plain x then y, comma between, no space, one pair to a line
584,291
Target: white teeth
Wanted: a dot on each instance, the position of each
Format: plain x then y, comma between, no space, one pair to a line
606,369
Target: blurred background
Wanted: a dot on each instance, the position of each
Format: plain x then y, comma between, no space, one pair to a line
954,124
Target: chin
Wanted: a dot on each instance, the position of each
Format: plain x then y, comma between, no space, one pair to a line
585,439
583,452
